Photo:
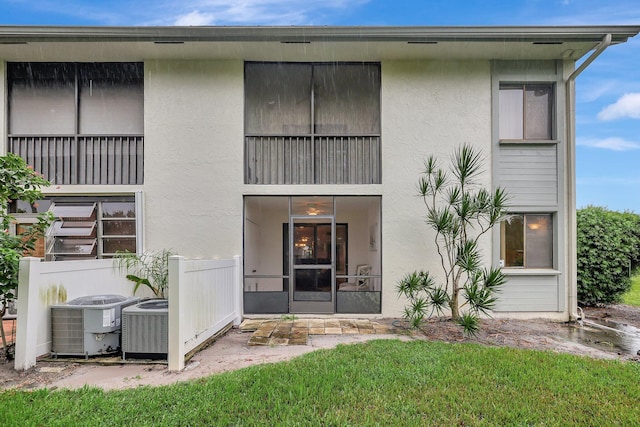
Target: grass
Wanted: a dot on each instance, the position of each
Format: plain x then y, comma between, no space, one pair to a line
632,296
382,382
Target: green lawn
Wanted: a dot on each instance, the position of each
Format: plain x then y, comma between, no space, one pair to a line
381,382
632,297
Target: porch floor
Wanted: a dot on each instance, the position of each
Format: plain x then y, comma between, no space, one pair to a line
297,332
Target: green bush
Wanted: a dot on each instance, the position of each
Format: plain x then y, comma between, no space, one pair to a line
608,250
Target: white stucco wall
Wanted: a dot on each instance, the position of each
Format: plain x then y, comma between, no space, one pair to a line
193,157
428,107
194,131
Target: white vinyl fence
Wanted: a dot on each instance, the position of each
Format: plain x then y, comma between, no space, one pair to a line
204,297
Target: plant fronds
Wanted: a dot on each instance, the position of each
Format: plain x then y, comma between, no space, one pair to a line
150,269
459,210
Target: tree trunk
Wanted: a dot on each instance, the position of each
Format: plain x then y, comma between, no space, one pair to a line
453,305
5,348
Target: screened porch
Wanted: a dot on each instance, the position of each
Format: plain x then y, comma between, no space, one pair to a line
329,263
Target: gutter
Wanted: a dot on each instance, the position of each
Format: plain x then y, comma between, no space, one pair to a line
572,270
417,34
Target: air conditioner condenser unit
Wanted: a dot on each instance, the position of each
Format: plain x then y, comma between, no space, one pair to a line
88,326
145,329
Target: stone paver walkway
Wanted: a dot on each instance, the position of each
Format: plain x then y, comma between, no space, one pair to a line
296,332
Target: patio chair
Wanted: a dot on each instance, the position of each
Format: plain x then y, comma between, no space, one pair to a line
361,283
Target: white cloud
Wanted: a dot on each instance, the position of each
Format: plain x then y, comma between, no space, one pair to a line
194,18
592,90
612,143
257,12
627,106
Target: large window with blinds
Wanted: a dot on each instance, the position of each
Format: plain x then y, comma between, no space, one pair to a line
78,123
312,123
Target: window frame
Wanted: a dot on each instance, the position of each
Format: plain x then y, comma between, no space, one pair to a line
551,236
97,238
551,115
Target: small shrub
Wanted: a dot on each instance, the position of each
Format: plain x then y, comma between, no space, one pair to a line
608,250
150,269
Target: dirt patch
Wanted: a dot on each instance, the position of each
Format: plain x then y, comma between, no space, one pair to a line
620,313
232,352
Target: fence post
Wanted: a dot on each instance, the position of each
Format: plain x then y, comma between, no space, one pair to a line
239,286
28,313
176,339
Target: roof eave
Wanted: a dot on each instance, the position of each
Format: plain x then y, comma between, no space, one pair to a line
16,34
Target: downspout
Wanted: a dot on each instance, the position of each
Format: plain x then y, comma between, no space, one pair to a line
572,273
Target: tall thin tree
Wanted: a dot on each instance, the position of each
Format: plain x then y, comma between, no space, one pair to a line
460,211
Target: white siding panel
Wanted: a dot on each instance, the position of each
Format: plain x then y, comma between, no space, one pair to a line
529,173
529,293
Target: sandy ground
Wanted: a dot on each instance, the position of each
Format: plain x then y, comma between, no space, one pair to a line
231,352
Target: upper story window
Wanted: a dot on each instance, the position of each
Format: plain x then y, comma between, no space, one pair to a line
312,123
526,112
526,241
78,123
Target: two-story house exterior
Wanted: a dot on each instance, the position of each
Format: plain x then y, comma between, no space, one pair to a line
300,148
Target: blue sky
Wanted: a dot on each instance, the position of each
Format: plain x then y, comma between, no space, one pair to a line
608,92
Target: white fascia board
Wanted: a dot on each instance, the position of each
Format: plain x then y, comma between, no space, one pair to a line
21,34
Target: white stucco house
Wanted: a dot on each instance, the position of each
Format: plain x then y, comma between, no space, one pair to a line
299,148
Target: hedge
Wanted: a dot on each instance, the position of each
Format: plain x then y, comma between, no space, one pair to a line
608,251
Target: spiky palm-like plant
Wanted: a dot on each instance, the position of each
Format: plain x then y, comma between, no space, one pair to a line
150,269
460,211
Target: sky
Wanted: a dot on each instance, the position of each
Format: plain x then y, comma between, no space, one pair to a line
608,91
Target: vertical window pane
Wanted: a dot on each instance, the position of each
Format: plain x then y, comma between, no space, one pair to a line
511,113
118,210
538,112
112,246
118,228
512,237
347,98
278,99
539,251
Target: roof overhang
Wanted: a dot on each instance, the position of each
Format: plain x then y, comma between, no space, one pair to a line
25,43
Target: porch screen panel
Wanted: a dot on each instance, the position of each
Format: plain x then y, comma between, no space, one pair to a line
42,107
111,98
347,99
278,99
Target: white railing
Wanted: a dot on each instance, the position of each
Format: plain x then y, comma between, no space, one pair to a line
312,160
83,159
204,297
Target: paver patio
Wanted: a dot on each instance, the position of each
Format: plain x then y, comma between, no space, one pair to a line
297,332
